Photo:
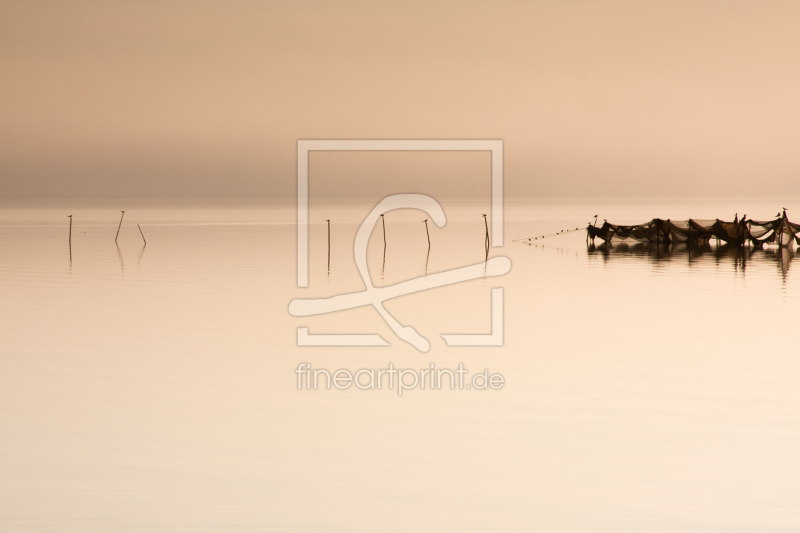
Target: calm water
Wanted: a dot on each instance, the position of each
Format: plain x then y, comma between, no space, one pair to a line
153,387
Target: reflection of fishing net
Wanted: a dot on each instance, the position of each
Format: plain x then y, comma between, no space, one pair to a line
782,257
779,231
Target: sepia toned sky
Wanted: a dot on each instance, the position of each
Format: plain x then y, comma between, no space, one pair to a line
207,99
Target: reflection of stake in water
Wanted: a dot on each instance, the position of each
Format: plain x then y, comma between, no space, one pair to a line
121,261
141,253
375,296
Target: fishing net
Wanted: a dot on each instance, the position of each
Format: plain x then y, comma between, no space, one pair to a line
696,231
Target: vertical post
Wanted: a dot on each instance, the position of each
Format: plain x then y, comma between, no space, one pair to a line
689,236
658,237
427,257
383,268
120,225
486,241
140,231
784,225
329,246
689,240
70,240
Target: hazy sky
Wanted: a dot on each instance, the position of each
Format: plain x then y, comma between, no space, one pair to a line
604,98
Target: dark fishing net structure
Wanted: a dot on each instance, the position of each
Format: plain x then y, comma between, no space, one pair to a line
779,231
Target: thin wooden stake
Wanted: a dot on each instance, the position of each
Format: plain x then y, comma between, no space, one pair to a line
428,234
120,225
383,268
70,240
140,231
329,246
487,236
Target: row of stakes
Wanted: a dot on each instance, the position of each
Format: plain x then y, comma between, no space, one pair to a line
115,238
487,242
427,234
